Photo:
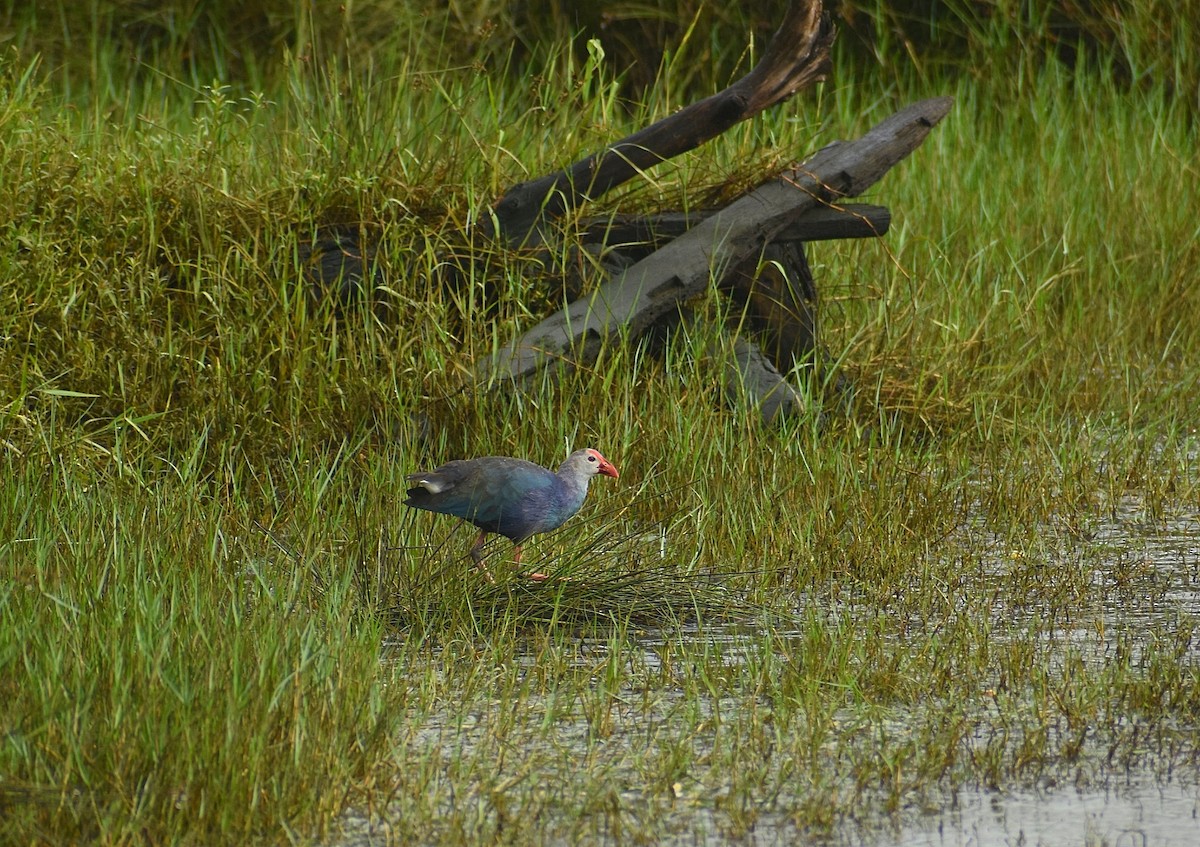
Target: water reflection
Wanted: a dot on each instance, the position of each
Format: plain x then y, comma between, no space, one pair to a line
1129,815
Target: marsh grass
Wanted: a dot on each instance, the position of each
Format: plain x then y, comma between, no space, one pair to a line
218,623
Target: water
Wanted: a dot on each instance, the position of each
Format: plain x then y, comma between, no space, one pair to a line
1131,815
1146,574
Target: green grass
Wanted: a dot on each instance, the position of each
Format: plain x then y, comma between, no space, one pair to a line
218,624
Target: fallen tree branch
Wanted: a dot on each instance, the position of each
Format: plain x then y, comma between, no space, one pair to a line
750,377
822,223
649,289
797,56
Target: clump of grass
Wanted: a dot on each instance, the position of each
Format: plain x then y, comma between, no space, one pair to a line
163,679
596,582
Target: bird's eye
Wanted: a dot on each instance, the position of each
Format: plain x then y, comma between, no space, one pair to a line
591,458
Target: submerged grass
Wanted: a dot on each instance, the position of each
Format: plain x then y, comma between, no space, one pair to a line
219,625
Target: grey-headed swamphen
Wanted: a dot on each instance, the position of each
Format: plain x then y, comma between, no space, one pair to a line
510,497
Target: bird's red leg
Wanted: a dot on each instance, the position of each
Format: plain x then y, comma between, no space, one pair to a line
536,576
477,555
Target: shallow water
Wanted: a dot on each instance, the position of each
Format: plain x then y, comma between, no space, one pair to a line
1147,576
1129,816
1126,816
1146,572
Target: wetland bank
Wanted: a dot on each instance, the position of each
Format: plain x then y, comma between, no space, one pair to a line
963,607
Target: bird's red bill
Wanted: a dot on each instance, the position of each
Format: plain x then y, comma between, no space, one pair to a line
605,467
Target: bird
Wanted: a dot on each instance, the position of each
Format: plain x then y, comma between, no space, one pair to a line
506,496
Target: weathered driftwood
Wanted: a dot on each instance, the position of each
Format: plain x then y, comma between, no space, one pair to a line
775,292
750,377
796,57
753,249
645,234
775,298
337,265
778,301
614,243
636,298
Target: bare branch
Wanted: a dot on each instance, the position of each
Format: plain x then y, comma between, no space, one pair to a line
649,289
797,56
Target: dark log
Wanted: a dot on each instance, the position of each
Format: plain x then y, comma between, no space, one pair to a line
752,379
642,235
644,292
337,264
797,56
778,299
